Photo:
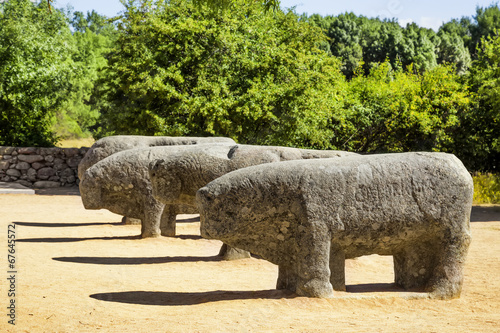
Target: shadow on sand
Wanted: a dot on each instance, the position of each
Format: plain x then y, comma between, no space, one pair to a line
73,239
193,298
77,239
485,213
135,261
64,225
73,190
187,298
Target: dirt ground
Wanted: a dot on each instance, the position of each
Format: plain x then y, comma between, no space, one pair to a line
83,271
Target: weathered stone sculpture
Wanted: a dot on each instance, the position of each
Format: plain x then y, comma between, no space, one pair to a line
112,144
176,178
107,146
309,216
120,183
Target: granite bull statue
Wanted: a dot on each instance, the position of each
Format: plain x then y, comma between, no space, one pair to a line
120,183
176,178
110,145
309,216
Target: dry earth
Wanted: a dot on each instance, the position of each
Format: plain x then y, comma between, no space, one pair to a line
82,271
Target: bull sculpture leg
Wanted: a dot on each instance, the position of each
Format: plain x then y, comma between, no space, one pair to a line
287,278
414,264
168,221
447,278
313,262
231,253
130,221
337,267
151,221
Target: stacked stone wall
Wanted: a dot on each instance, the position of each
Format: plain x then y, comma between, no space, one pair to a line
40,167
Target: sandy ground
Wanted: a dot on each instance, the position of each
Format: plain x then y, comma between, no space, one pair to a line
83,271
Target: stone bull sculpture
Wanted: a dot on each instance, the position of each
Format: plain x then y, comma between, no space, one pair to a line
176,178
110,145
107,146
309,216
120,183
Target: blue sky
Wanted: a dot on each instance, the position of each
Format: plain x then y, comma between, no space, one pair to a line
426,13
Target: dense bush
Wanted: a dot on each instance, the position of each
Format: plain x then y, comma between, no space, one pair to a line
486,188
36,71
249,74
398,110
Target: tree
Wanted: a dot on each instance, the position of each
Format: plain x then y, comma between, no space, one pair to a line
94,37
486,22
398,110
252,75
218,5
451,50
35,72
478,141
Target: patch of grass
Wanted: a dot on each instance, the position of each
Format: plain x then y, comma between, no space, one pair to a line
486,188
76,143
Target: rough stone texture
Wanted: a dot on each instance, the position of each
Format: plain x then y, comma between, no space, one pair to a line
58,161
112,144
120,183
31,175
71,152
60,167
6,150
4,165
22,166
130,221
36,165
30,158
67,172
45,173
309,216
26,150
23,182
46,184
14,173
176,178
74,161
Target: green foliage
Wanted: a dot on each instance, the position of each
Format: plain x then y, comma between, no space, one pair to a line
451,50
221,5
478,144
358,40
486,188
252,75
36,71
486,22
93,37
395,110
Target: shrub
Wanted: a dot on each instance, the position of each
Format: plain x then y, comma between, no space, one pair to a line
486,188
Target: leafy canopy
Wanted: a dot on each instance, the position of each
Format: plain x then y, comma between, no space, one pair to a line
252,75
35,71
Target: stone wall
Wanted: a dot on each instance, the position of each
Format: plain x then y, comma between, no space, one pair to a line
40,167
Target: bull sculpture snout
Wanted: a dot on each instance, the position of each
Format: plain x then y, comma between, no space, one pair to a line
91,193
